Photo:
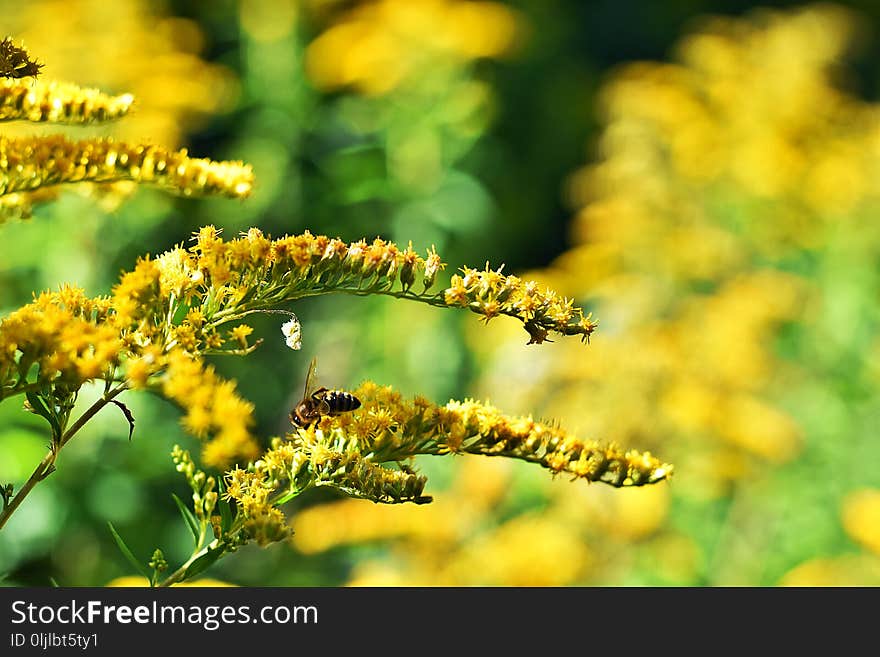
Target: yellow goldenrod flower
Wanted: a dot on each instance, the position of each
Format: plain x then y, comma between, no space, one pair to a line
32,167
27,164
306,264
159,60
213,408
59,102
350,451
134,334
60,335
240,334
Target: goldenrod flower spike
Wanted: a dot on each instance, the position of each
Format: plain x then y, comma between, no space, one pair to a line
167,314
265,272
51,347
358,477
59,102
30,163
490,293
351,451
31,168
475,428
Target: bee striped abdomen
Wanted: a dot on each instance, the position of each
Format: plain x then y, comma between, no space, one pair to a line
340,401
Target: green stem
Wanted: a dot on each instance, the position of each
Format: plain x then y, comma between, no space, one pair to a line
17,390
229,314
47,465
178,575
41,472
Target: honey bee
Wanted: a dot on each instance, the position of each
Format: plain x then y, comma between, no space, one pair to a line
317,403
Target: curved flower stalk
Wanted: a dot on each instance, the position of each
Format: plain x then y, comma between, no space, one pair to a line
255,272
31,163
59,102
348,451
169,313
367,453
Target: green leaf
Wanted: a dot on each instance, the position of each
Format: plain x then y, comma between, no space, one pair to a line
128,553
54,582
40,408
203,562
189,518
289,495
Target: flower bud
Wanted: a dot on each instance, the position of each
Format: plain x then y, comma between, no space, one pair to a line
432,266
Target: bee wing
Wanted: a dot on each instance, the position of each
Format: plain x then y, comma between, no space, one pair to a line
310,379
325,407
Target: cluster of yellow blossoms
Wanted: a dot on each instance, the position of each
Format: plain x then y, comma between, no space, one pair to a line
55,344
33,168
164,316
724,179
61,336
51,347
169,313
717,172
347,452
59,102
490,293
27,164
135,48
